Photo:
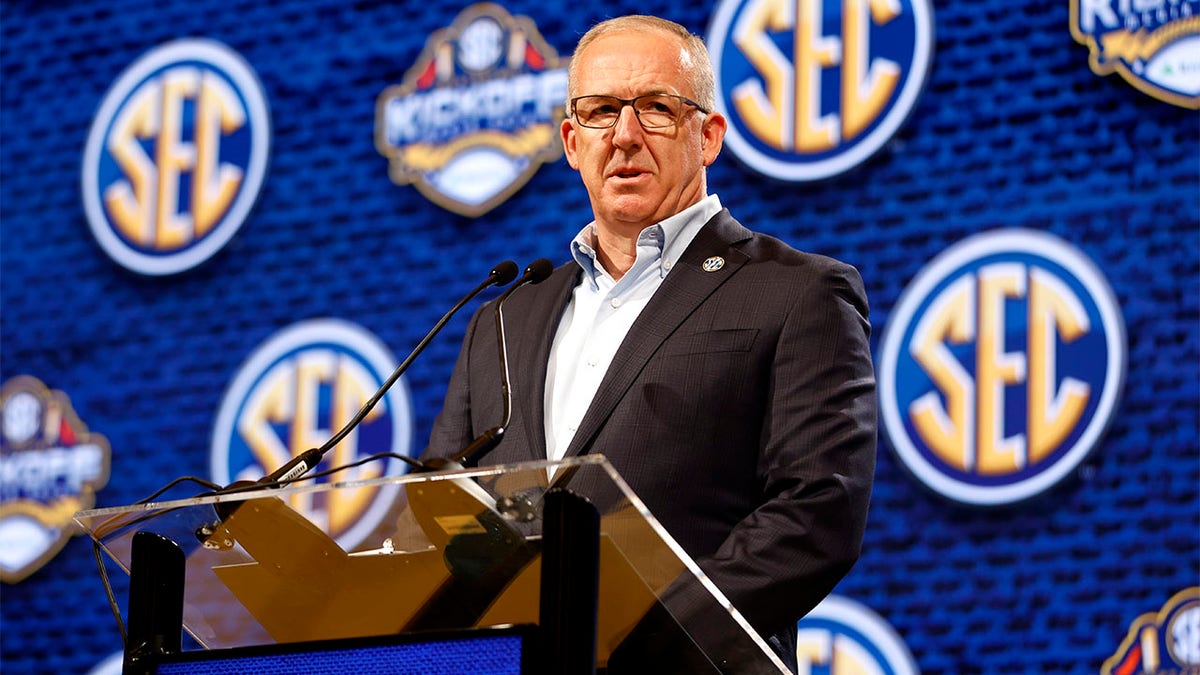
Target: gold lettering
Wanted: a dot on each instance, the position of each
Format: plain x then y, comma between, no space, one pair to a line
996,369
130,203
214,185
766,114
352,387
174,157
270,403
1055,313
946,430
867,84
814,53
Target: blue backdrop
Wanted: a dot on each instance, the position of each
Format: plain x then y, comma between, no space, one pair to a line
1012,130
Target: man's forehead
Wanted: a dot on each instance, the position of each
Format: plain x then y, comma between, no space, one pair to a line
634,53
619,43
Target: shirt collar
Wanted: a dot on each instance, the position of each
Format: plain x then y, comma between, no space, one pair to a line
672,236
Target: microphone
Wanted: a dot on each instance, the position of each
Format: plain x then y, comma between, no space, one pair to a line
481,563
537,271
301,464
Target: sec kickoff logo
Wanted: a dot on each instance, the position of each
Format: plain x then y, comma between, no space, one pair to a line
1001,367
1154,45
477,115
1166,641
843,636
50,467
293,393
812,88
175,157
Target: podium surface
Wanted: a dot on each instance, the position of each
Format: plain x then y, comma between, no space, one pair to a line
459,550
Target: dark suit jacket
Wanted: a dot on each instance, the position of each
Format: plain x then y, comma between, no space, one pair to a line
740,408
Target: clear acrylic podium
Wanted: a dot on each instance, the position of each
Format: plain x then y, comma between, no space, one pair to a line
460,551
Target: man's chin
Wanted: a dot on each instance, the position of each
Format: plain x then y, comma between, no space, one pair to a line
631,216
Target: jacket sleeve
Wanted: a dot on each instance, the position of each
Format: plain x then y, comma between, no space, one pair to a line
452,430
816,460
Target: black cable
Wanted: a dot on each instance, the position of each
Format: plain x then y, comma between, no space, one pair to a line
328,472
255,487
195,479
108,592
114,606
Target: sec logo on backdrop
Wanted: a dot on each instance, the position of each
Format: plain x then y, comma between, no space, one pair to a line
1155,46
294,393
175,157
51,466
812,88
841,636
477,115
1166,641
1001,366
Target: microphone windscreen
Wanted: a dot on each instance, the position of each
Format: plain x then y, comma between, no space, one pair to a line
504,272
539,270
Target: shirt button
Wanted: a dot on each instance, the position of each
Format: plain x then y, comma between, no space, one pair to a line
667,264
616,302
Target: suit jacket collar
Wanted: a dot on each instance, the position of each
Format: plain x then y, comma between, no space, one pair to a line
683,290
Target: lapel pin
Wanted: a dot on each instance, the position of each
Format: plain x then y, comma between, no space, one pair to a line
713,264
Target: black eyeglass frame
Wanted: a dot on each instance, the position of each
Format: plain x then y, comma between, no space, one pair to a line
630,102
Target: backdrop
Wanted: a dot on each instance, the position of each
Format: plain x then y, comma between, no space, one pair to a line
1012,129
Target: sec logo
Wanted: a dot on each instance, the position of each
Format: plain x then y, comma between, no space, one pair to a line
844,637
1001,367
51,466
477,115
812,88
297,390
175,157
1166,641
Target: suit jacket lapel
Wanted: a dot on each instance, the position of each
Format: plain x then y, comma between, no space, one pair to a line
533,340
682,291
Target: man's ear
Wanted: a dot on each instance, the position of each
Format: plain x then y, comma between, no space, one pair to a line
567,130
712,136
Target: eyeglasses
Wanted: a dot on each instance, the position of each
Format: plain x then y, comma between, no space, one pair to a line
653,111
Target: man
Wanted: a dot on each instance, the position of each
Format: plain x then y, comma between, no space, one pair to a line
726,376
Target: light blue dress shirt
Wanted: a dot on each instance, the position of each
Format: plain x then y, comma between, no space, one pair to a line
602,310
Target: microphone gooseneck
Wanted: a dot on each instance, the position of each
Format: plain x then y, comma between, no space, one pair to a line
537,272
301,464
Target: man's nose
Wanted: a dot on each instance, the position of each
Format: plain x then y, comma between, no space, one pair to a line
628,130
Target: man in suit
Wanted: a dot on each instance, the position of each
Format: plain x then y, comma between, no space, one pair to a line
725,375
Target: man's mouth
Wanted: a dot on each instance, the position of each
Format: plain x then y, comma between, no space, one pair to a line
627,173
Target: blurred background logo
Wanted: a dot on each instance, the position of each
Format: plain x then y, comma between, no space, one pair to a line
478,113
175,157
1153,44
293,393
844,637
50,467
814,88
1001,366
